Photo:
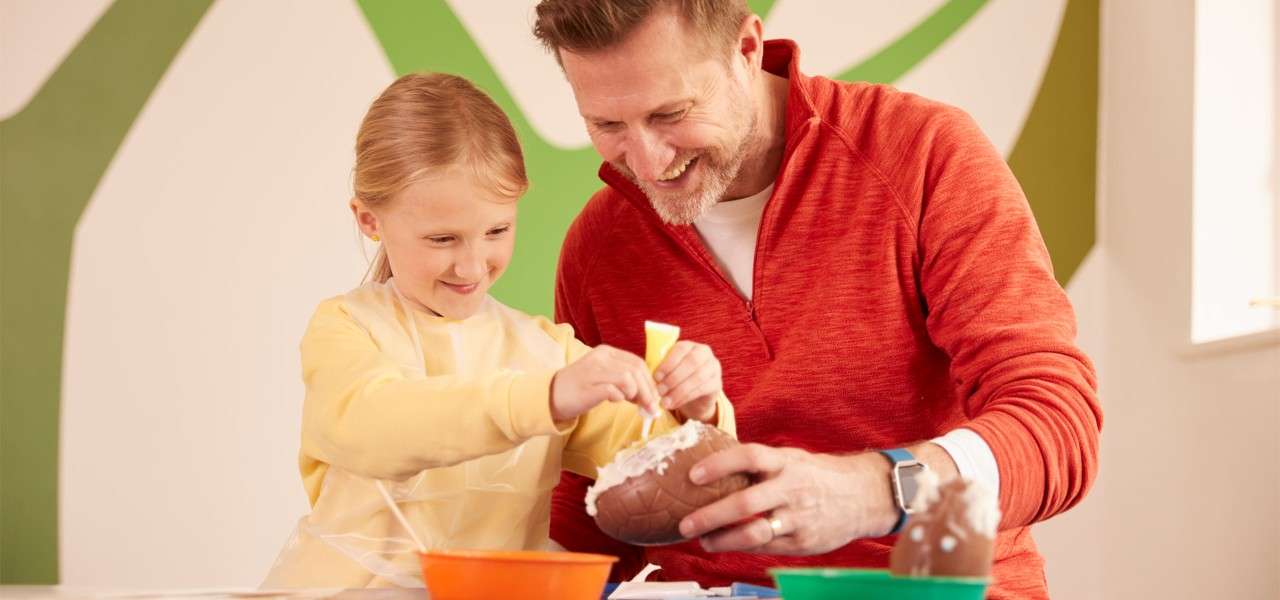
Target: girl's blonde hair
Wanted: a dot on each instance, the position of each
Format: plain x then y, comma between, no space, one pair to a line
425,123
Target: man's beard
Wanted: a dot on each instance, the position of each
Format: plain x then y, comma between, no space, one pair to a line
719,168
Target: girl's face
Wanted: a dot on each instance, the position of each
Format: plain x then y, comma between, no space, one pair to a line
448,239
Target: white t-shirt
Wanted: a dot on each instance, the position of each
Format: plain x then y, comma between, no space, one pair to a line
729,230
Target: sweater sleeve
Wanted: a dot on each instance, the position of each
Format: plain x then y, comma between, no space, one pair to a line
994,307
362,414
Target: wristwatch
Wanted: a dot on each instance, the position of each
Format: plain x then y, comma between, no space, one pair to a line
903,481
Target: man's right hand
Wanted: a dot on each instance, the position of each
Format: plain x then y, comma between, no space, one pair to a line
803,503
603,374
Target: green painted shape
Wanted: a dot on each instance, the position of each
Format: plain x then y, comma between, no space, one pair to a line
760,7
1055,158
904,53
52,155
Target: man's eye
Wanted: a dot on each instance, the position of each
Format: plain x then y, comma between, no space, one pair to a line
607,125
669,116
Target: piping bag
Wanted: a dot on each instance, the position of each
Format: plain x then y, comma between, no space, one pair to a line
658,340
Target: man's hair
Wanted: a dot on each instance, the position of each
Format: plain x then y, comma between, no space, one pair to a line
583,26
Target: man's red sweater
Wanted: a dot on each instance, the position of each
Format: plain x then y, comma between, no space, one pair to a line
901,290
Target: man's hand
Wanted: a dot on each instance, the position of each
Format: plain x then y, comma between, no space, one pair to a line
803,503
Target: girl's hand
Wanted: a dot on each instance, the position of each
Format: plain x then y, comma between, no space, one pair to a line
603,374
689,380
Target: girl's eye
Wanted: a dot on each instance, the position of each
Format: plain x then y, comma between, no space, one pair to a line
497,231
440,239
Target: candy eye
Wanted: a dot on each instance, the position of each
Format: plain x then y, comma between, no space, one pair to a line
947,543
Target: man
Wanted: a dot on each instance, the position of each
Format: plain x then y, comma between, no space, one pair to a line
864,265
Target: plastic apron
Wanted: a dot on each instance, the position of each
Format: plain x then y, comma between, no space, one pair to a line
496,502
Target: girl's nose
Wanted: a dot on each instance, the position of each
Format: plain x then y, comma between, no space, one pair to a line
469,265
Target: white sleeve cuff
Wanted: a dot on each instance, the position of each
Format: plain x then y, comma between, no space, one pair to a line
973,457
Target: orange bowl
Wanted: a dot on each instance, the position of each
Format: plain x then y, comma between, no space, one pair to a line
481,574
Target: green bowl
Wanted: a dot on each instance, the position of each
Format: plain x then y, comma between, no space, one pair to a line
859,584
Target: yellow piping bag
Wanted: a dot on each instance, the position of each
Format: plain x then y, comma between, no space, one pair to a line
658,340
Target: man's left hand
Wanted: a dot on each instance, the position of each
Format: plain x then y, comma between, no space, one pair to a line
802,503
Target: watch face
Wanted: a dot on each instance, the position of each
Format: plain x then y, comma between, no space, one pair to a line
910,485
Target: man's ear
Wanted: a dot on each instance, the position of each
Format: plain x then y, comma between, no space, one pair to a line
365,219
751,42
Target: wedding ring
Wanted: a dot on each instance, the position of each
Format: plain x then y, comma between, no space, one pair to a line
775,525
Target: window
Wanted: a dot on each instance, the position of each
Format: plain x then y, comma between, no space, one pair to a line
1235,221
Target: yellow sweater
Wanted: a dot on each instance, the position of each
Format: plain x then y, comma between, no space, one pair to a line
455,415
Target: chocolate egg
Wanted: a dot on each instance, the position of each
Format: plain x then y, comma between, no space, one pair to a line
645,507
953,536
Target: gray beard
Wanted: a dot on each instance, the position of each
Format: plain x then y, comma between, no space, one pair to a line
684,211
717,176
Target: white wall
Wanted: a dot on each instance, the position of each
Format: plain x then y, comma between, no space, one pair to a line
1188,499
218,227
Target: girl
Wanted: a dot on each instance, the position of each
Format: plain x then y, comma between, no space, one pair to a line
467,407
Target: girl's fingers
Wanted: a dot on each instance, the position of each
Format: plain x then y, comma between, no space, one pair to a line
698,401
645,393
611,392
690,368
705,381
675,357
648,397
628,384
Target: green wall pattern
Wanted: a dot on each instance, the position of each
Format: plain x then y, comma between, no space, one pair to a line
52,156
1055,158
66,145
892,62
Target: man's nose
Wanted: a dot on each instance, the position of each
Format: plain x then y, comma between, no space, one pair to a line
648,156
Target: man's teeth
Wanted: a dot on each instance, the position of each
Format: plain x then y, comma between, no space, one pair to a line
677,170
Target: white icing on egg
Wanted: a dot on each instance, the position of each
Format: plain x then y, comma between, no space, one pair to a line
655,455
982,509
